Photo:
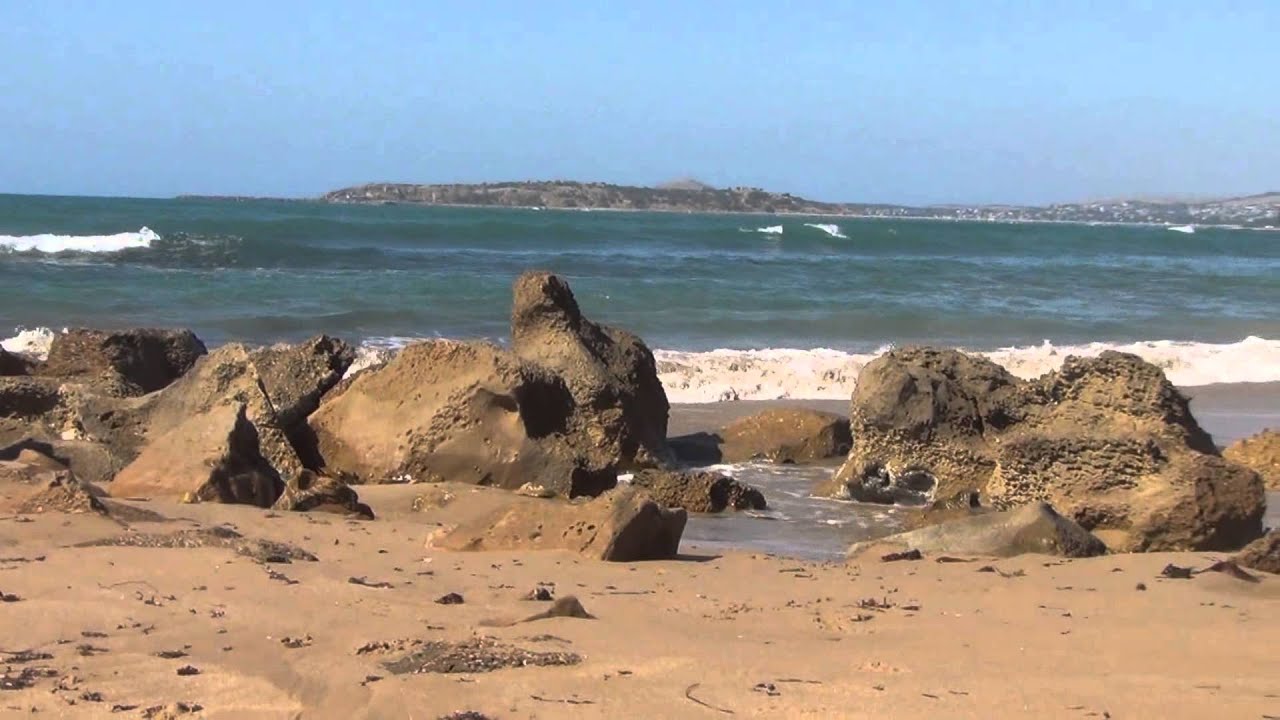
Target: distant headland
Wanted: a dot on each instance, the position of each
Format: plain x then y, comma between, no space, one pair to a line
1261,211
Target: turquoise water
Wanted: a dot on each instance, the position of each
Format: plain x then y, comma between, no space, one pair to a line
266,271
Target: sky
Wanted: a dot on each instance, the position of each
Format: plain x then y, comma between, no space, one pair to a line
905,102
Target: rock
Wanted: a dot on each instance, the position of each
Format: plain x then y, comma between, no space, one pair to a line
33,483
27,398
1107,440
1035,528
210,456
467,412
1262,554
229,376
308,491
432,498
13,364
610,372
536,491
622,525
63,494
295,377
129,362
258,550
786,435
700,492
1260,453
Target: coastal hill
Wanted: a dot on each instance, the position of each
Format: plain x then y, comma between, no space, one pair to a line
687,195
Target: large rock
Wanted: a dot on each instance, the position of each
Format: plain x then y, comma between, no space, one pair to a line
777,435
228,376
610,372
468,412
1034,528
699,492
1107,440
1260,453
1262,554
210,456
128,362
622,525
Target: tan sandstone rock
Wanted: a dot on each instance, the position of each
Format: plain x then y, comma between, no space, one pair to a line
777,435
622,525
210,456
1260,453
1262,554
308,491
1107,440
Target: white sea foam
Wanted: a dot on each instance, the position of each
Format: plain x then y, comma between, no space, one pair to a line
830,229
51,244
770,230
34,343
825,374
1188,229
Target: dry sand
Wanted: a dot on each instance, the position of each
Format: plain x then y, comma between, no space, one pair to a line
740,635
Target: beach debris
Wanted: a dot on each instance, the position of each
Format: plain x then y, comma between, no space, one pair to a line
1002,573
465,715
172,710
688,694
92,634
1229,567
950,559
1140,587
452,598
88,650
475,655
25,678
1176,572
767,688
904,555
8,597
566,701
293,643
541,593
21,657
188,670
366,582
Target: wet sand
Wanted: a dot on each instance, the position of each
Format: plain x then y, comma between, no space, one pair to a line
706,636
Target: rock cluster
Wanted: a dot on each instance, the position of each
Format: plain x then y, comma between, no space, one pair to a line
1107,440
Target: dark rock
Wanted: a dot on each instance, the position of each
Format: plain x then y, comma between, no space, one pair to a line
1031,529
128,362
1176,572
450,599
295,377
700,492
904,555
14,364
27,397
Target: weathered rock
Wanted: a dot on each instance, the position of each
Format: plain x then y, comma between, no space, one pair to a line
128,362
1035,528
621,525
262,551
307,491
210,456
1107,440
34,483
13,364
786,435
26,398
700,492
1260,453
450,411
1262,554
610,372
295,377
228,376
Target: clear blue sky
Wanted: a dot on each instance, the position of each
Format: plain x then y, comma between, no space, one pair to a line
944,101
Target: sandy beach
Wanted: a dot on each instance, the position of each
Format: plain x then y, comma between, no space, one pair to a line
704,636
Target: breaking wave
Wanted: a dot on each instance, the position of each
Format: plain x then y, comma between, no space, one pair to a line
829,228
54,244
825,374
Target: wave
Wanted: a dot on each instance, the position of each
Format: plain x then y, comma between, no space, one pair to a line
826,374
830,229
770,230
54,244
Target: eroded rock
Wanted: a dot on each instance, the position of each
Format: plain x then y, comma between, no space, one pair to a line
307,492
777,435
128,362
700,492
1260,453
1107,440
1262,554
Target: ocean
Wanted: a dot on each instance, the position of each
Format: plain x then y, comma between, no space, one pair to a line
744,307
